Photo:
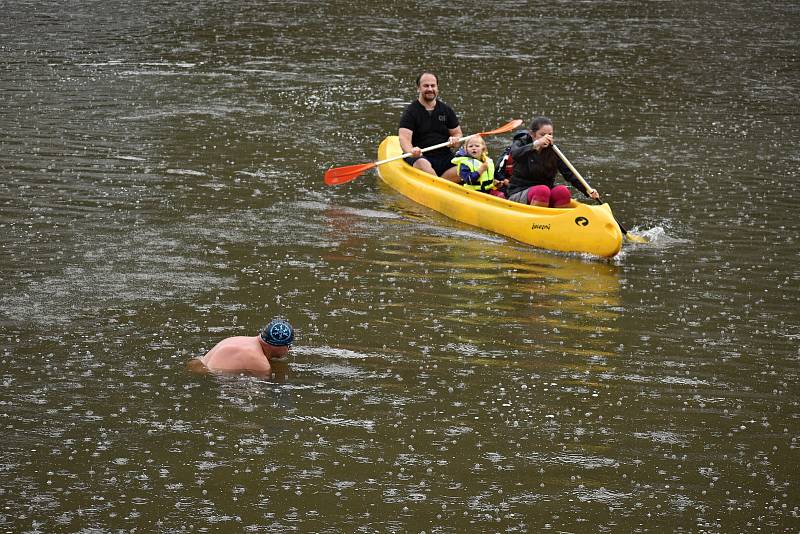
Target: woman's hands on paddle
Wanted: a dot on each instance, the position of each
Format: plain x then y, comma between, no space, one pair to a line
543,142
593,193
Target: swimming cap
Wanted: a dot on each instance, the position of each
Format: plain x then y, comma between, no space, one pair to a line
278,333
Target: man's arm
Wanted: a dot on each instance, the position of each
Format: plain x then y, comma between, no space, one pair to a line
405,139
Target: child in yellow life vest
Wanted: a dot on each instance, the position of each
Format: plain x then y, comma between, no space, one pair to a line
476,168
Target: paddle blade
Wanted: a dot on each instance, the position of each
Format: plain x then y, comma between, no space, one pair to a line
629,236
340,175
507,127
636,238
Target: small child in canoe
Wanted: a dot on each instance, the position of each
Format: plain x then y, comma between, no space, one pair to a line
476,168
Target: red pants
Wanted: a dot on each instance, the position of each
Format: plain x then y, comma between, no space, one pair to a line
541,195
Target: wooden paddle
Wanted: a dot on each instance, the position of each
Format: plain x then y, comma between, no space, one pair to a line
633,237
340,175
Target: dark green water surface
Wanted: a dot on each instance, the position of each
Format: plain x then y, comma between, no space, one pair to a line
161,188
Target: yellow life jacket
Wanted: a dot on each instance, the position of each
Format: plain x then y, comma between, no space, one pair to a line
485,180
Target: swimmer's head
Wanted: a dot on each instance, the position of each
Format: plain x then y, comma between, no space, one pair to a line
278,333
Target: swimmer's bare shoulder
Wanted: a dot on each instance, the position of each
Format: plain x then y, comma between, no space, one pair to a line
247,354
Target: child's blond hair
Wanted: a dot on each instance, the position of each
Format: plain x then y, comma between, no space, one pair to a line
484,152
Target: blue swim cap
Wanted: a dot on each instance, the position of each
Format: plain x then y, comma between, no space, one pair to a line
278,333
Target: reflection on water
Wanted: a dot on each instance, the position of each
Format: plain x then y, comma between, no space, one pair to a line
161,188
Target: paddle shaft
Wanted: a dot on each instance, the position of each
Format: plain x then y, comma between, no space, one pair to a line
340,175
426,149
583,182
507,127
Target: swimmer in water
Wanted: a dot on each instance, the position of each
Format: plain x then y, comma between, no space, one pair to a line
248,354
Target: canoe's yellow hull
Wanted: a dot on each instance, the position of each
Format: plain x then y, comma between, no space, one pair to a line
578,228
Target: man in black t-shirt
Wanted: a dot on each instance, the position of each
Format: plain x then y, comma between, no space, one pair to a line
428,121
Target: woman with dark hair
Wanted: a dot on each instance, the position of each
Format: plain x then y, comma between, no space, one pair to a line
535,167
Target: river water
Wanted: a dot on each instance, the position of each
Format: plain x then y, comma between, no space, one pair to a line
161,188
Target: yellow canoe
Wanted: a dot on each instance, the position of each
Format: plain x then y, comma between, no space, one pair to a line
577,228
